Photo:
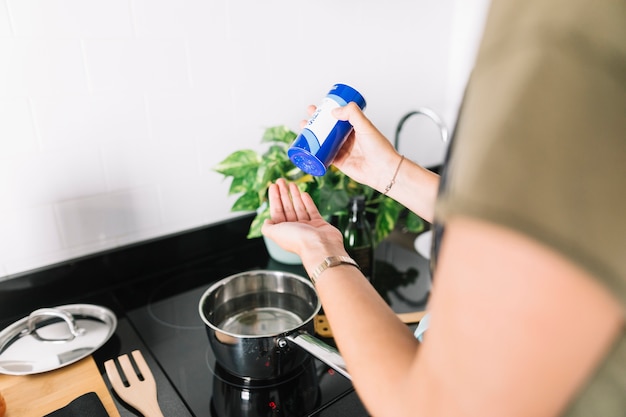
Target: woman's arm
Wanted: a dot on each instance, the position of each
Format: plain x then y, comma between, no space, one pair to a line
369,158
515,329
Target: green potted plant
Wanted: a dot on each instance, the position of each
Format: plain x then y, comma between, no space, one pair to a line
252,172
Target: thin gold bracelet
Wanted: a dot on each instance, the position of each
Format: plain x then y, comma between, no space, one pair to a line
395,174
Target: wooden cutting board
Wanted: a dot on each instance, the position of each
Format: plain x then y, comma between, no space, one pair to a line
40,394
322,327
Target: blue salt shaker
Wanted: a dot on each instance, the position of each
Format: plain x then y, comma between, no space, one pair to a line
316,146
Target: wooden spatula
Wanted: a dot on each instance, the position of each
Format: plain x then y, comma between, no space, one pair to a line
140,393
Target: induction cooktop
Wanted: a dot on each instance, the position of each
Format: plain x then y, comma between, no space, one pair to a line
167,320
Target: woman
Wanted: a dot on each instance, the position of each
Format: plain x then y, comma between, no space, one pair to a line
529,296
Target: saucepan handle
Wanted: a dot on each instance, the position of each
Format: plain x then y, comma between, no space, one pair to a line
327,354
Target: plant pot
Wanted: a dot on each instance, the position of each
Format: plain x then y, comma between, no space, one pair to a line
279,254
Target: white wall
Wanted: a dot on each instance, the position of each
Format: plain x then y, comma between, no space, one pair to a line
112,112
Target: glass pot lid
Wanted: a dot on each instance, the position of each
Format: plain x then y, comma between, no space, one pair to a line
51,338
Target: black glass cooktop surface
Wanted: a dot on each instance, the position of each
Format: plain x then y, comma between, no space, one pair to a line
167,319
170,324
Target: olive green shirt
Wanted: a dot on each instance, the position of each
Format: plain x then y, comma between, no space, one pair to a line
540,147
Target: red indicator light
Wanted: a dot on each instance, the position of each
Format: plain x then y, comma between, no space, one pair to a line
272,405
331,372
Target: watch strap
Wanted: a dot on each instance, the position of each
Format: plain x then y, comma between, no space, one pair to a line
330,262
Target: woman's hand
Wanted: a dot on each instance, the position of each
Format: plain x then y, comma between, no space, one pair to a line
296,225
367,156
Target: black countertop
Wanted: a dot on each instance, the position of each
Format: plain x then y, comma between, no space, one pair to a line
124,279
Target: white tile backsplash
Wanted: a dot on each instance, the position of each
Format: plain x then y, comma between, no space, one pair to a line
6,30
184,117
30,230
41,67
50,177
181,18
104,217
136,65
146,162
129,165
70,121
70,18
113,112
17,131
184,205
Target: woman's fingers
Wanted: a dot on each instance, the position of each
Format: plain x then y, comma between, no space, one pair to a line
310,207
277,213
285,199
287,203
353,114
298,205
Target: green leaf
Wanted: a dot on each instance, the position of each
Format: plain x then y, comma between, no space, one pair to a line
296,174
252,172
243,183
257,223
386,217
414,223
276,153
332,201
275,164
264,178
237,186
305,181
278,134
248,201
238,162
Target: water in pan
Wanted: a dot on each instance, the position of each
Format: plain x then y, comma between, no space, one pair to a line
260,314
261,321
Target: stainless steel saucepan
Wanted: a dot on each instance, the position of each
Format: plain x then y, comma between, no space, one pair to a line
260,324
